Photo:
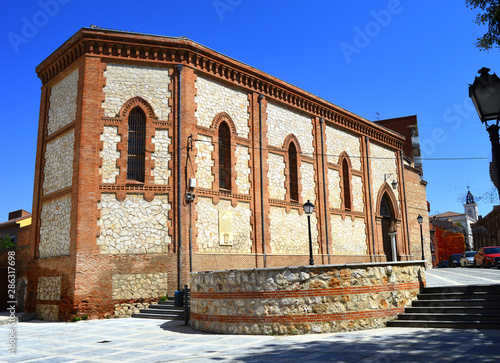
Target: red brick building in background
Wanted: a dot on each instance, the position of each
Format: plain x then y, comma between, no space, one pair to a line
18,228
157,156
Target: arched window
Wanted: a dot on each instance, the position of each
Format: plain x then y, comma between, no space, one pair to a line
346,183
293,175
385,209
136,144
224,156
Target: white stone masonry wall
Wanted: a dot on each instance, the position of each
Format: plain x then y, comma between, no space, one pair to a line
49,288
62,100
124,82
349,237
208,228
289,232
242,169
58,169
334,188
204,162
382,161
358,204
161,157
338,141
308,182
276,176
139,286
213,98
133,225
281,122
55,224
109,154
47,312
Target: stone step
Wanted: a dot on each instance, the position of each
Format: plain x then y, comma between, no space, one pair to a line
443,324
152,309
158,316
452,310
456,302
450,317
165,307
463,288
460,295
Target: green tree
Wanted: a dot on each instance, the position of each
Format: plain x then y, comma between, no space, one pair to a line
6,242
490,16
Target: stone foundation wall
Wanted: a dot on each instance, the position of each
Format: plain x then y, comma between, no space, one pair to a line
133,292
47,312
300,300
127,309
49,288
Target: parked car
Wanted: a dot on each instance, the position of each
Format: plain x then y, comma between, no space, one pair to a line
454,260
467,258
487,256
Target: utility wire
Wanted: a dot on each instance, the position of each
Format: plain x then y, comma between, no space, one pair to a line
355,156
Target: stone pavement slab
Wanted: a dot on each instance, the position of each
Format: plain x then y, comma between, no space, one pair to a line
462,276
143,340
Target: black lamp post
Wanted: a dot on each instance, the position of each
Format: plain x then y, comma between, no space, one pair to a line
309,208
420,219
485,94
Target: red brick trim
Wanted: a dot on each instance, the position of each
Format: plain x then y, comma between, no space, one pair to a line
338,291
306,318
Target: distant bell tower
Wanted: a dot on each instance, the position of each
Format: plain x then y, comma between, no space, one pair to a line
470,206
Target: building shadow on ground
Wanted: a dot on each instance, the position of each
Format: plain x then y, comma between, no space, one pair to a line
434,345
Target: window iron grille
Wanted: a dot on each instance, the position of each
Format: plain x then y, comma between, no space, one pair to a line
136,145
224,156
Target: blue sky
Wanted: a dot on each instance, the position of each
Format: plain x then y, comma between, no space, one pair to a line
388,58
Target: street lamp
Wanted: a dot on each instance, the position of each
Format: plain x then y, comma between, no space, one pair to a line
420,219
309,208
485,94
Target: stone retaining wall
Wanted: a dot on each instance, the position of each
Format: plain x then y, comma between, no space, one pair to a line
306,299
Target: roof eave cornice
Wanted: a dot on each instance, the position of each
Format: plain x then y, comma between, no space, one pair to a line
135,46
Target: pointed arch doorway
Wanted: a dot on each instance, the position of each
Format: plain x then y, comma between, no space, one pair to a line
388,223
388,226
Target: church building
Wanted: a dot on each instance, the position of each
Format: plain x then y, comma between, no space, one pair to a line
158,156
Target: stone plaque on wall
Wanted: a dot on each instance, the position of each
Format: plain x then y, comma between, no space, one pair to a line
225,228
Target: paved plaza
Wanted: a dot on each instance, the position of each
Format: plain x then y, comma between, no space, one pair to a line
143,340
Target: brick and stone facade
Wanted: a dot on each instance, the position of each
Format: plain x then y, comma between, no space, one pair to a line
93,223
